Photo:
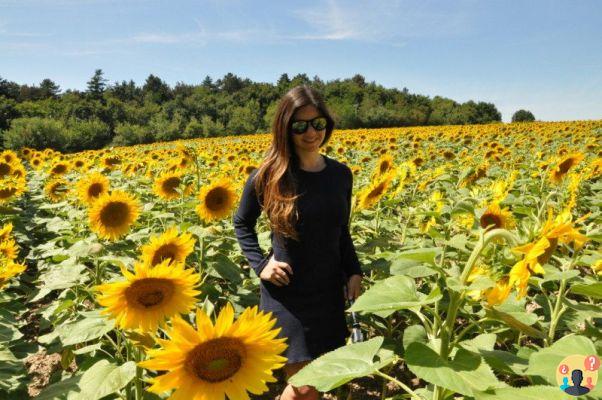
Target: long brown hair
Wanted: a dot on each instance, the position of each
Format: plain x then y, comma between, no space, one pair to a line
275,180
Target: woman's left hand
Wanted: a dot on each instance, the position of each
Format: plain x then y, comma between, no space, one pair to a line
354,286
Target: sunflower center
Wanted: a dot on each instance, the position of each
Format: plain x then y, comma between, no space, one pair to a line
170,184
59,169
149,292
95,189
114,214
164,252
377,191
6,193
565,165
216,360
491,219
216,199
4,169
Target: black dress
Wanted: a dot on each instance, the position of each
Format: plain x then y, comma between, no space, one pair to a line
311,308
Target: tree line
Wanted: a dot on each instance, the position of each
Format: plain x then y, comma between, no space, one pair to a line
124,113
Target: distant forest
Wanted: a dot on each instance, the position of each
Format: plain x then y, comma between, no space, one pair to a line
124,113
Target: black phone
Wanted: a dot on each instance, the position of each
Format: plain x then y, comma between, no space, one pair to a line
356,331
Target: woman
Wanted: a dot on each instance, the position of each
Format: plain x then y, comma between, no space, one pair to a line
307,199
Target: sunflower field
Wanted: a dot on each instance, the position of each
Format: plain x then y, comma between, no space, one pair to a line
121,276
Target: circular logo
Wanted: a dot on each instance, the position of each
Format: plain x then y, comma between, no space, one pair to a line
578,374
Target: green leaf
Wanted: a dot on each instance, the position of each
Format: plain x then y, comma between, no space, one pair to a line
463,207
104,378
498,360
61,276
525,393
91,327
593,290
512,321
424,255
394,293
466,374
544,362
226,269
340,366
554,274
459,242
414,333
65,389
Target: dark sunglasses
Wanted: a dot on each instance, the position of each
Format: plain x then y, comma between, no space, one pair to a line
299,127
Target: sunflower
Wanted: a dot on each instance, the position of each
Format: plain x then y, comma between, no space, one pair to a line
110,162
150,295
168,246
214,361
59,168
5,231
36,163
217,200
167,186
383,165
479,270
530,264
8,249
464,220
9,156
374,192
497,217
561,169
6,169
499,293
112,214
9,270
11,189
597,267
56,189
437,201
561,230
91,187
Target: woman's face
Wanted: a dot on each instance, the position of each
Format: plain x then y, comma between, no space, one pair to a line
310,140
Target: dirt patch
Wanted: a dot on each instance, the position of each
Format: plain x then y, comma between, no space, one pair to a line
41,366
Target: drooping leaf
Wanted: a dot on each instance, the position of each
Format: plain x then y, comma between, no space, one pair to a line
340,366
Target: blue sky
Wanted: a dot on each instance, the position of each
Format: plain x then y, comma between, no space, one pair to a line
545,56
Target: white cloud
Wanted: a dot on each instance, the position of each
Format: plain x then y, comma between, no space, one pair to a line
392,21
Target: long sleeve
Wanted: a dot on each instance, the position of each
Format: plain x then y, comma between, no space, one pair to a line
349,259
244,221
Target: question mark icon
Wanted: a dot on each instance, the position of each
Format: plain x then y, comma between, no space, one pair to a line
564,369
592,363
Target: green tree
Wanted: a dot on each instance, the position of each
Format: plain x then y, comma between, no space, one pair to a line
37,133
523,116
8,112
49,89
155,90
97,85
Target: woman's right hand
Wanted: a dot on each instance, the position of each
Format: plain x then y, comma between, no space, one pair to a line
276,272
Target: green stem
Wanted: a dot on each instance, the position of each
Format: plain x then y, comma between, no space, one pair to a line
556,313
483,242
558,310
400,384
448,326
377,219
139,391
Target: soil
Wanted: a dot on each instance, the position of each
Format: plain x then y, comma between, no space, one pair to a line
41,366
